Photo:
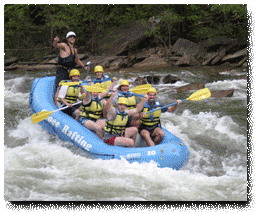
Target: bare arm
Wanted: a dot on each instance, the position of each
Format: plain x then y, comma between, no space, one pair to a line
102,95
174,108
78,61
139,107
86,98
58,45
110,111
113,83
66,103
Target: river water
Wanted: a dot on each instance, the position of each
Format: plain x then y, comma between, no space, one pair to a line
41,167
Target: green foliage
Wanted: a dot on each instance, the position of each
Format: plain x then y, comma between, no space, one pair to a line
28,26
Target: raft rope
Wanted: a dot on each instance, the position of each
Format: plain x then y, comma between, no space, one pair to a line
162,150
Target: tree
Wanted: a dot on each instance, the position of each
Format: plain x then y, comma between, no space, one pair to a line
164,27
27,26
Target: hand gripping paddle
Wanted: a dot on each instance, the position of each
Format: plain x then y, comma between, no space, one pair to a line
196,96
37,117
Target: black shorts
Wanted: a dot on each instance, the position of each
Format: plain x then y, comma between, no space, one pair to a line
148,128
70,111
61,74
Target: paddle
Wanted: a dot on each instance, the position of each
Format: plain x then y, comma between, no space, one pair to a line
130,93
94,88
37,117
103,80
141,89
88,69
77,83
97,89
196,96
70,83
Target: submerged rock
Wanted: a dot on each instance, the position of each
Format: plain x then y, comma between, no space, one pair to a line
189,87
154,79
222,93
169,79
139,81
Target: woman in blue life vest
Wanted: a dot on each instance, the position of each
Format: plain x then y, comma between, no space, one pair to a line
115,131
68,95
92,111
150,127
67,57
103,80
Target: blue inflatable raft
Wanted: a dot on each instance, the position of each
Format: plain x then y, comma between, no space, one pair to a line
171,152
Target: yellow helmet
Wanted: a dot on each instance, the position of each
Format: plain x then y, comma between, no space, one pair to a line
124,82
74,72
151,89
122,100
98,68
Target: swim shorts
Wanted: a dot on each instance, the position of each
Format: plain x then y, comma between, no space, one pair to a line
110,141
149,129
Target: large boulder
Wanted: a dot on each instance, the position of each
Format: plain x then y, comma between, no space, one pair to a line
100,60
106,61
225,45
117,64
208,58
139,81
190,87
187,60
219,56
219,40
127,39
240,63
237,54
222,93
154,79
169,79
9,61
185,47
151,62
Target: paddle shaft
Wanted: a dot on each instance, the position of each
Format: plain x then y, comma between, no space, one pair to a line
37,117
87,81
67,106
101,81
88,70
157,109
129,93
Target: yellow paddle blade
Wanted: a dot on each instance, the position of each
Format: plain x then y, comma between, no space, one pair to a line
37,117
69,83
94,88
141,89
200,95
142,86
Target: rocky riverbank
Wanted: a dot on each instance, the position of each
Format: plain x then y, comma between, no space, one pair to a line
220,51
135,54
